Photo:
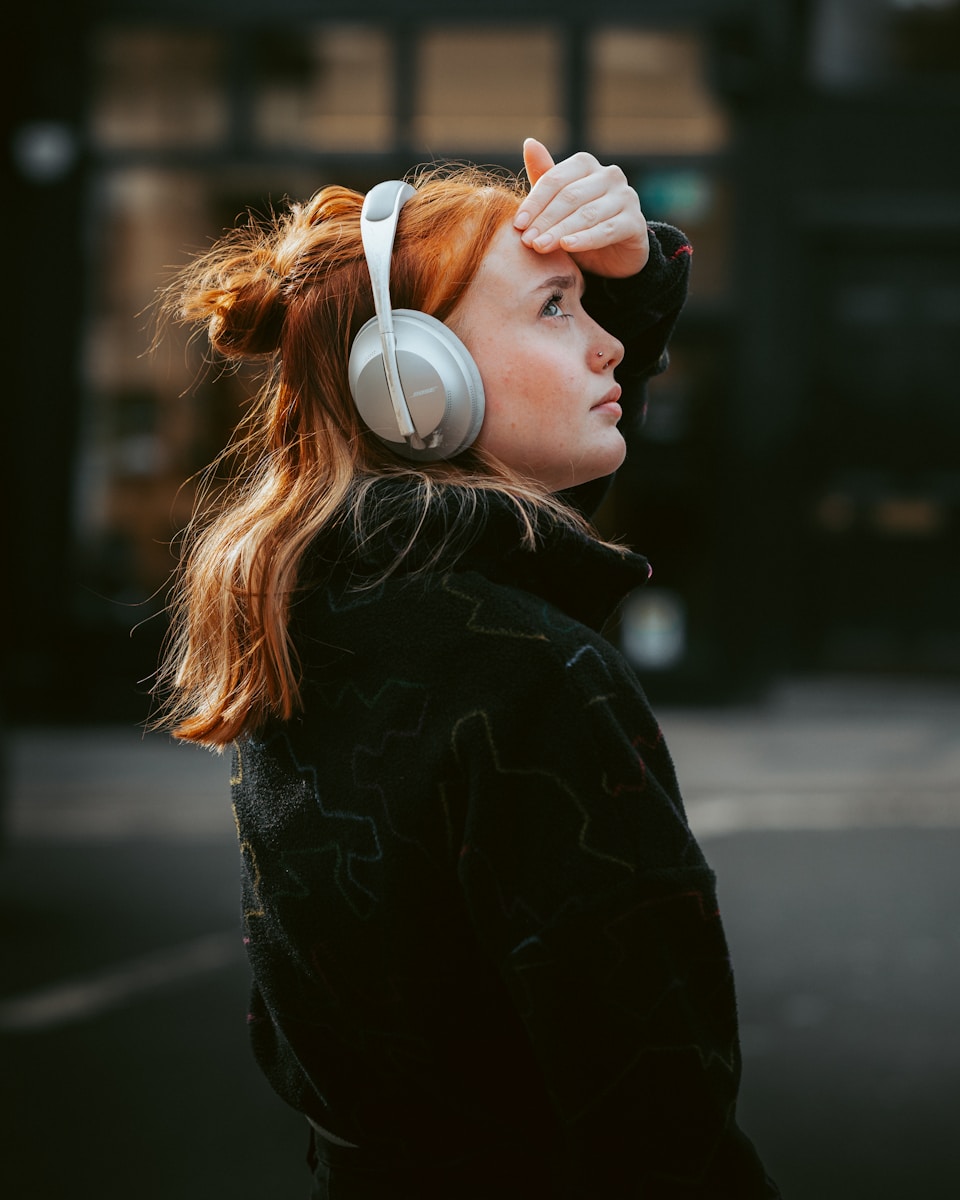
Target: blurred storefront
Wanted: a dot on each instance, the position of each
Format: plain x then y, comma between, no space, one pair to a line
798,485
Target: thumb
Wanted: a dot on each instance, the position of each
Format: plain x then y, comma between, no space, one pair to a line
536,159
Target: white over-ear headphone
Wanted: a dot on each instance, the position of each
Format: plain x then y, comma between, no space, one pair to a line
412,379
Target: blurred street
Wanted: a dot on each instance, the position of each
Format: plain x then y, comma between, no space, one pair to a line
831,813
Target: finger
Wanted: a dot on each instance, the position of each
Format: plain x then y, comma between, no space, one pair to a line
615,231
537,159
604,229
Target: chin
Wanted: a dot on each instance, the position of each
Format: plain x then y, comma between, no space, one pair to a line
601,464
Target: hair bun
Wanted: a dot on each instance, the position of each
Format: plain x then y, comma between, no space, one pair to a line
247,320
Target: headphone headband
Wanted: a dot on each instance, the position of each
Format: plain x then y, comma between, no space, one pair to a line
379,217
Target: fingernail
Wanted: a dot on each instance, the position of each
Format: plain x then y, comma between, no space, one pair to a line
530,236
522,220
543,241
568,241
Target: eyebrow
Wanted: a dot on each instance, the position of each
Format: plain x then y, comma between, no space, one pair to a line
563,282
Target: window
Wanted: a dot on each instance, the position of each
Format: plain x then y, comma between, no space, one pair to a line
328,89
486,89
155,89
648,95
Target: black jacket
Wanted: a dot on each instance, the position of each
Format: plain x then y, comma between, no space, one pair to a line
485,944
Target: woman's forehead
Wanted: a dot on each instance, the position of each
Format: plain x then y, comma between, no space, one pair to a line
509,261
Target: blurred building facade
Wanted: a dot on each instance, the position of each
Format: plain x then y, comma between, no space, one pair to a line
798,484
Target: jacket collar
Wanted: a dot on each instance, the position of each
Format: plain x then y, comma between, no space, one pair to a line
570,568
579,574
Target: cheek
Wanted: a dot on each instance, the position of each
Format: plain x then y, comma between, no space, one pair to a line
528,388
523,379
505,383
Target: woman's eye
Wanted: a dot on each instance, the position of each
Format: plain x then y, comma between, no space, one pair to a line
552,307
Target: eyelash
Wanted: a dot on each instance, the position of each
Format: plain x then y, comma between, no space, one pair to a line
556,298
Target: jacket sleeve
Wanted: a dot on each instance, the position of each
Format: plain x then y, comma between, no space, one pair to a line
588,890
641,312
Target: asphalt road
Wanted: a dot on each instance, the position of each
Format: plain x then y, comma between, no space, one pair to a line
831,814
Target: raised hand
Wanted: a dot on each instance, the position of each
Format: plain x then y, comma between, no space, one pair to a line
585,208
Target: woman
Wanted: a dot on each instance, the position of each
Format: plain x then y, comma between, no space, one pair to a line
486,955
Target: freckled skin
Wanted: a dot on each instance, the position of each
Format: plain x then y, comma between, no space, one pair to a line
547,367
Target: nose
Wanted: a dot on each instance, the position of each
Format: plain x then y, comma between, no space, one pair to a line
608,353
605,352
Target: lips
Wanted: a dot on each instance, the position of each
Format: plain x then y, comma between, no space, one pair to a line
610,400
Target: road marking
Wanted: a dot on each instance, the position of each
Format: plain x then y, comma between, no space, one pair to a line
85,997
721,815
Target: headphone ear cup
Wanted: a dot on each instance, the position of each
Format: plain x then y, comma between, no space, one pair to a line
441,384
